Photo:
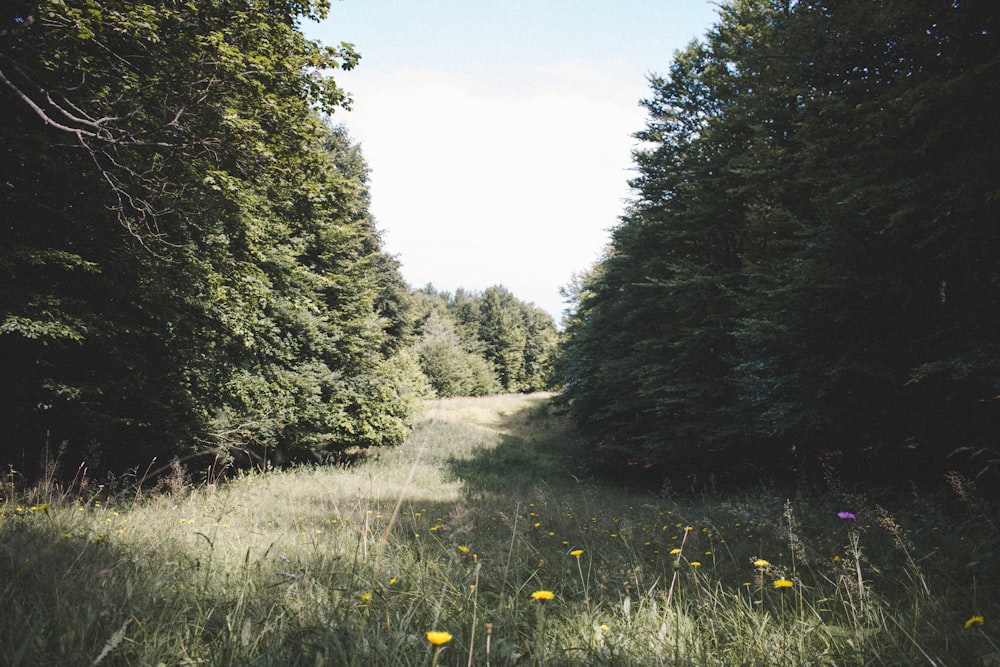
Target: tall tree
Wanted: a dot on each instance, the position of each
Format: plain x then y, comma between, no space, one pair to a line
793,276
187,257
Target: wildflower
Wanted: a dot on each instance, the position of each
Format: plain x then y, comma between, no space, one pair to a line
576,553
463,549
783,583
542,596
846,516
392,581
365,597
974,621
604,627
695,563
760,562
674,552
438,638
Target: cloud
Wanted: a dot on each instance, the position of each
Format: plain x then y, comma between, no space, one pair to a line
479,182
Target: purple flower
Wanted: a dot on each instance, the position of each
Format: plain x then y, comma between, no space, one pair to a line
846,516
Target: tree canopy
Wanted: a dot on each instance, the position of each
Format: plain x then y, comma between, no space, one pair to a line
188,261
811,263
475,344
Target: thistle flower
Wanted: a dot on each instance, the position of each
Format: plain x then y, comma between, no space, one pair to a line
438,638
846,516
542,596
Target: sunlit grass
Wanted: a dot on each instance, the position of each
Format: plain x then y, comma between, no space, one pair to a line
484,540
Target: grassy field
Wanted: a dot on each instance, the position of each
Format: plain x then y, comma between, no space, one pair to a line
487,529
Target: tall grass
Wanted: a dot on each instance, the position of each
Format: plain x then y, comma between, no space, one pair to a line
458,531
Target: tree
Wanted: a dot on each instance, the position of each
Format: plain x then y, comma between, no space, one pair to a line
189,261
783,284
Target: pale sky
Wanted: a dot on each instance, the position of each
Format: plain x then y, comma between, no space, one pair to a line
499,133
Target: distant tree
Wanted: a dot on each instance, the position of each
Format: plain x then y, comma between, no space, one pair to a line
483,343
450,368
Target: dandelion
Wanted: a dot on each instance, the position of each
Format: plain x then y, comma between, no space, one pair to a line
760,562
542,596
783,583
846,516
695,563
439,638
576,553
675,552
974,621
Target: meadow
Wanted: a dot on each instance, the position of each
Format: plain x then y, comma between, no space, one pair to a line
487,540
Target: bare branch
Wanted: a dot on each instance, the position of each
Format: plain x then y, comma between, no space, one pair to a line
40,112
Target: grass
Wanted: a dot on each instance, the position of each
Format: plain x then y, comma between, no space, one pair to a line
458,531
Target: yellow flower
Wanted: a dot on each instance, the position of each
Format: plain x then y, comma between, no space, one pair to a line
543,595
365,597
576,553
783,583
695,563
392,581
760,562
674,552
604,627
464,550
438,638
974,621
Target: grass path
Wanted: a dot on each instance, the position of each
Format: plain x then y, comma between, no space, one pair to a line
485,512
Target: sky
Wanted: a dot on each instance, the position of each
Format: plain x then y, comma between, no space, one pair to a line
499,132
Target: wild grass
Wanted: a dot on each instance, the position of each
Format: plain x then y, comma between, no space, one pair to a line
487,507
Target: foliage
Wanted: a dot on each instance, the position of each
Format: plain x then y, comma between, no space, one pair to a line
486,529
811,261
189,261
477,344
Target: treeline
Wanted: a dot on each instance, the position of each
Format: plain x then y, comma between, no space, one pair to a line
188,264
471,344
810,269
